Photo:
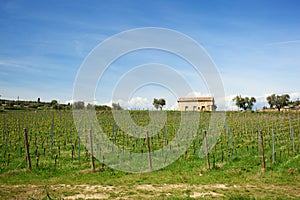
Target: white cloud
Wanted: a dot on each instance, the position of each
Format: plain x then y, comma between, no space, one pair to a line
133,103
141,103
69,101
197,94
295,95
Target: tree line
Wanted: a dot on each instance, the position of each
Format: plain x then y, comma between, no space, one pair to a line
52,105
275,102
32,105
55,105
243,103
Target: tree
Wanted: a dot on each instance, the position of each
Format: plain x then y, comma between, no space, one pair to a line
250,102
278,101
239,102
272,100
159,103
116,106
78,105
294,103
68,106
162,103
53,102
244,103
155,103
283,100
90,106
102,107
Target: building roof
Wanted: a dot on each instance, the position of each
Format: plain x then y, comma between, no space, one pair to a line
195,99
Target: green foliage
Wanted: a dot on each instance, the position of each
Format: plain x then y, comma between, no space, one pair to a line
116,106
53,102
159,103
78,105
102,107
278,101
33,105
97,107
244,103
90,106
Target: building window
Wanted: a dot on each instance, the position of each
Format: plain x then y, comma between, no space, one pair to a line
186,107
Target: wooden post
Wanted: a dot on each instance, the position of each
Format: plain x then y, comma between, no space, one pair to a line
55,160
8,158
149,151
206,151
92,152
273,148
263,167
73,152
27,149
79,150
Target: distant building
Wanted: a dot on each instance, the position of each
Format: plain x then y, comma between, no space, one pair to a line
196,104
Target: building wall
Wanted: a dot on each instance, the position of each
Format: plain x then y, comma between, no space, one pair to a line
196,104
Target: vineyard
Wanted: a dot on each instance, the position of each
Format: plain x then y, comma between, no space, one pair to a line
252,149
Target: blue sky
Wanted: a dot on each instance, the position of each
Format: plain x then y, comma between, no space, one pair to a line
254,44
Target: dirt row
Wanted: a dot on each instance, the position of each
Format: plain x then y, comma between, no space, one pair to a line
162,191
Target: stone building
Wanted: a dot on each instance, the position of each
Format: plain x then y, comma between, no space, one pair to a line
196,104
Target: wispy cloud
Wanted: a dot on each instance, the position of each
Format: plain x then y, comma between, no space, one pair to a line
19,65
283,43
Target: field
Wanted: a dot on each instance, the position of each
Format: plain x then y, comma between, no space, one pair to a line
256,157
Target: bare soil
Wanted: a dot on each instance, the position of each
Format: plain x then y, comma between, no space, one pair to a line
162,191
